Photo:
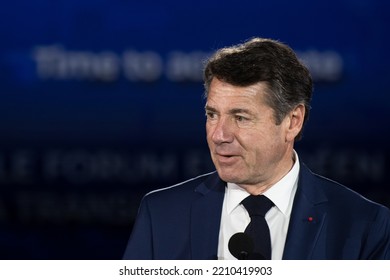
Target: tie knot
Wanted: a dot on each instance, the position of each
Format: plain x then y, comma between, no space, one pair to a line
257,205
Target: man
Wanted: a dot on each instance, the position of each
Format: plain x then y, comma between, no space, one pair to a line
258,100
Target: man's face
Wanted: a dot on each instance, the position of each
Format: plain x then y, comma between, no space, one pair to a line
246,145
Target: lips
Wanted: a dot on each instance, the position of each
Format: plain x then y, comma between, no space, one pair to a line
224,151
224,155
226,158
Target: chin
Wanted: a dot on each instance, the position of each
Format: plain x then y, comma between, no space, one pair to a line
228,177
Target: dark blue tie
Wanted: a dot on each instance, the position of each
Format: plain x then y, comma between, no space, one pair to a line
257,206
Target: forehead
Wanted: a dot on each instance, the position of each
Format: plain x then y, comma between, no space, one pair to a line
222,94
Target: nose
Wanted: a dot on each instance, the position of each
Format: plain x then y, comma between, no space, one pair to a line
221,131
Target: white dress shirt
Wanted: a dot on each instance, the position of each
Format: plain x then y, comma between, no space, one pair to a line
235,218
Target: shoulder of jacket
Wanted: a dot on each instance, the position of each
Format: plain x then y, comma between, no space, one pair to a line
188,185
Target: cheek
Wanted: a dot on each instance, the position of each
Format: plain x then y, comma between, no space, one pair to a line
208,132
258,144
209,136
253,139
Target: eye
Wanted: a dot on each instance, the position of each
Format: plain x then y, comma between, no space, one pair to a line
210,115
240,118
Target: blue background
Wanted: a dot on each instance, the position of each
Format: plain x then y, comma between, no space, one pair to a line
101,102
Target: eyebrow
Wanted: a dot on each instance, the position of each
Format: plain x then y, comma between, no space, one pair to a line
208,108
231,111
239,111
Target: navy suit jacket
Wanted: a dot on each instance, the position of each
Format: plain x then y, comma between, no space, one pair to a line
182,222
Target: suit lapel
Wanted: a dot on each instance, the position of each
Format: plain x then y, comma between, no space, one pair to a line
307,218
206,217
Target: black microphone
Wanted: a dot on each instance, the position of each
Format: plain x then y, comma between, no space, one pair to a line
241,245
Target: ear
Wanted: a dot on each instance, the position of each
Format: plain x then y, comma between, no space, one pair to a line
295,122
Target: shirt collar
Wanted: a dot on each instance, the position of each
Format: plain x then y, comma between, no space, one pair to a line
280,193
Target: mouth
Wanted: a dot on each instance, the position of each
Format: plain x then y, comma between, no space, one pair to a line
224,154
226,158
